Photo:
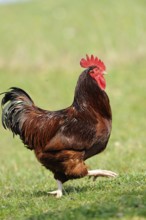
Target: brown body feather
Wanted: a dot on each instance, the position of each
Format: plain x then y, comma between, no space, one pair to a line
62,140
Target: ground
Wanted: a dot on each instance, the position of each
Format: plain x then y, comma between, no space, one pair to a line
41,46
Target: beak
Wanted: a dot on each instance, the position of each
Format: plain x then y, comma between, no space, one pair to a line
105,73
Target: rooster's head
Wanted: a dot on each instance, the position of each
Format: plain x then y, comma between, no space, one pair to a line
96,69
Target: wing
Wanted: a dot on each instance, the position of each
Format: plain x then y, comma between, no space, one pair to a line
77,131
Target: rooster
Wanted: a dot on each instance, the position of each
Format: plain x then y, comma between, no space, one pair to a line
62,140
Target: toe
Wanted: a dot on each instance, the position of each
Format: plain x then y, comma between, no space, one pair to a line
57,193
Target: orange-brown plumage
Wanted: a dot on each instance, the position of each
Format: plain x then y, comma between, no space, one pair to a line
62,140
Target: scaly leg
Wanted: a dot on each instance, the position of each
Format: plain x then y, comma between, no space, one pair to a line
104,173
58,192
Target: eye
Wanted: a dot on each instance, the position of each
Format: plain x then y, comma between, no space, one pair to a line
91,72
94,71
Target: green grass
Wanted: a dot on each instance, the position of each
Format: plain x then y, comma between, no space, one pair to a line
41,45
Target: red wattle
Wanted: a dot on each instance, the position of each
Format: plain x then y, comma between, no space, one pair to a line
101,81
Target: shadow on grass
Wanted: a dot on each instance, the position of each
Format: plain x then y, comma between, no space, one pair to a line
40,193
115,205
67,191
123,197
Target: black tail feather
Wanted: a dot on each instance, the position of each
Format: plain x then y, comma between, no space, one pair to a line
13,104
13,94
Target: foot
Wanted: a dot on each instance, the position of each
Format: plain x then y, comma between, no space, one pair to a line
58,192
103,173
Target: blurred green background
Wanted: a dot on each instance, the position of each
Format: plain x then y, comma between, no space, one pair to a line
41,44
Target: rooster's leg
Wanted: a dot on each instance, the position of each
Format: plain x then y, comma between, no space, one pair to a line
58,192
103,173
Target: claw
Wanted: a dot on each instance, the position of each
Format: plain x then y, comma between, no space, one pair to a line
103,173
58,192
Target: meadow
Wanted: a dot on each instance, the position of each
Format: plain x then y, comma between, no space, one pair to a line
41,44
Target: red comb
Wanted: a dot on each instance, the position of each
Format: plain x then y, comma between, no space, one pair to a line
92,61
